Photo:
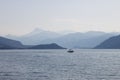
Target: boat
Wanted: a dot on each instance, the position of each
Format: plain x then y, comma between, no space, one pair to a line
70,51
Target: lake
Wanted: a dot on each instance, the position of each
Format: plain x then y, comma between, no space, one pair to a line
83,64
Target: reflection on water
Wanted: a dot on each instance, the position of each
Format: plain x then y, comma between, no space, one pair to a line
59,65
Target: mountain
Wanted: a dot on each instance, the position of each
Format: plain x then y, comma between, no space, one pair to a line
72,40
35,37
47,46
111,43
6,43
80,40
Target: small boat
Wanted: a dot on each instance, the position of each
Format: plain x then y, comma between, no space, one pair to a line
70,51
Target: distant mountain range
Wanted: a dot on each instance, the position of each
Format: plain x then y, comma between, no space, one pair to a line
80,40
40,39
35,37
111,43
6,43
71,40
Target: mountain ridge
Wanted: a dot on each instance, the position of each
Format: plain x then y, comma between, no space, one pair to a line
88,39
111,43
47,46
6,43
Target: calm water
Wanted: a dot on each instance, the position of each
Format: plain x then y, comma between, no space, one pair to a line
59,65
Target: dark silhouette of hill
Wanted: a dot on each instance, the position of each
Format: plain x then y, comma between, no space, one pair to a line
111,43
47,46
6,43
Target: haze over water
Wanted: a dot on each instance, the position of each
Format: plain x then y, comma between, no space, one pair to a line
59,65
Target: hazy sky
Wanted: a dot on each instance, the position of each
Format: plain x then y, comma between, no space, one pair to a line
22,16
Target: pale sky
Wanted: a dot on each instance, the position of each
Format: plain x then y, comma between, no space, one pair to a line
22,16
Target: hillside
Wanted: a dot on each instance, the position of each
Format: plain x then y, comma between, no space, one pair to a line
111,43
47,46
6,43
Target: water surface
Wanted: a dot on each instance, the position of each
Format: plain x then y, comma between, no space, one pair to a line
59,65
